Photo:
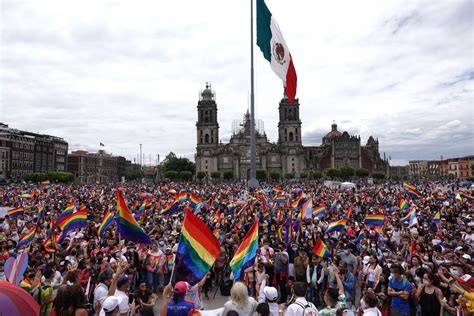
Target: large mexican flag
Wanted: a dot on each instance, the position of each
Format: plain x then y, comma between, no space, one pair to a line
274,49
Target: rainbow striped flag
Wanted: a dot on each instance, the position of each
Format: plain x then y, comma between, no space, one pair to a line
318,211
215,203
106,222
276,189
413,192
74,221
245,255
40,213
182,196
197,250
141,209
336,226
408,185
280,233
194,199
467,196
15,212
437,218
403,204
64,215
280,199
50,244
171,206
307,209
440,197
217,216
127,226
408,215
374,219
333,206
27,238
321,250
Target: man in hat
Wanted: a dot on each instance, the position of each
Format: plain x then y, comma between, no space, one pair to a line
176,305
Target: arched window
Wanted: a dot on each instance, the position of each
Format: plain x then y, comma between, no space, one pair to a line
206,138
290,136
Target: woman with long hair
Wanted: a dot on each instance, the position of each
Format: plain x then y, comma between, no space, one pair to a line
372,271
429,295
70,301
240,301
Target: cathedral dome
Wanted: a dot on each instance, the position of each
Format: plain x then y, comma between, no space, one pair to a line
334,133
207,93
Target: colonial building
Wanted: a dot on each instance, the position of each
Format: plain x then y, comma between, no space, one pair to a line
23,152
287,155
99,167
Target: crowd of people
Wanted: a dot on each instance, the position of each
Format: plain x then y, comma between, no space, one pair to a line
415,265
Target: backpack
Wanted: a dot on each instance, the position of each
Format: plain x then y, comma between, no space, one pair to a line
309,309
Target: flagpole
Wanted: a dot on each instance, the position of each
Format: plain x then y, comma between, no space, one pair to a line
252,183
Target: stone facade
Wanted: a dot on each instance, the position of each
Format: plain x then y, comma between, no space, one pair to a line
287,156
99,167
23,152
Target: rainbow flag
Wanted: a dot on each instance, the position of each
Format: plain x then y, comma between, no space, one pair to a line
280,233
413,192
403,204
336,226
307,209
245,255
40,213
374,219
280,199
440,197
127,226
15,212
217,216
437,218
74,221
106,222
333,206
408,185
27,238
276,189
215,203
182,196
318,211
321,250
467,196
141,209
171,206
45,182
64,215
48,245
194,199
197,250
408,215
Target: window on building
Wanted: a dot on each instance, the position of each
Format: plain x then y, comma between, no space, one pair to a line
291,136
206,138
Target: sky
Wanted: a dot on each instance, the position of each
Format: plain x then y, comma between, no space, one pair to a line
126,73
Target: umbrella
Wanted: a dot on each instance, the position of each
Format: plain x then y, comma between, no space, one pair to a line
14,301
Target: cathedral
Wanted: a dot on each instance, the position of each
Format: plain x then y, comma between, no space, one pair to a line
287,156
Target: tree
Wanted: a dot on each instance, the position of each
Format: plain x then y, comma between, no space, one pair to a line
275,175
346,172
261,174
215,175
52,176
378,175
332,173
361,172
303,175
174,163
185,175
228,175
200,175
172,175
290,175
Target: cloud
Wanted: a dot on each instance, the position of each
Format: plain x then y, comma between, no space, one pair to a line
125,73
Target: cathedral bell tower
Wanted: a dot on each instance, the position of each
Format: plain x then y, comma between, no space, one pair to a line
207,131
289,126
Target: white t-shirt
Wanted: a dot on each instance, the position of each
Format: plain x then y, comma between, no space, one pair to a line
373,311
194,295
100,293
297,309
124,307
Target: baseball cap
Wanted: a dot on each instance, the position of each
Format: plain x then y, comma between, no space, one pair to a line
466,256
271,293
109,304
181,287
366,259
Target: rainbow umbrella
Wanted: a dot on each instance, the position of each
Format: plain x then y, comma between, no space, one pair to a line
14,301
